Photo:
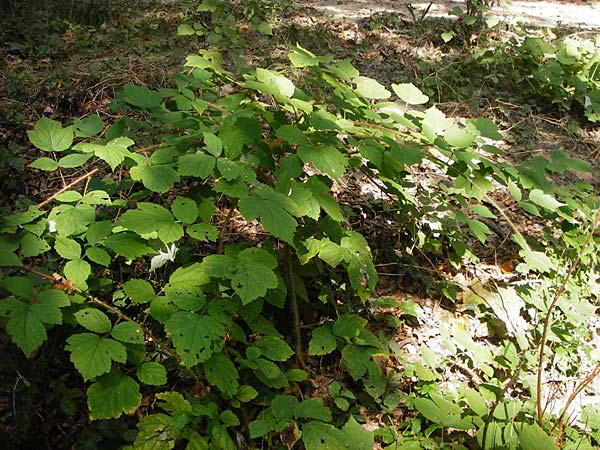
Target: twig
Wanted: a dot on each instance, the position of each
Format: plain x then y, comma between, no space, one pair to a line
295,311
68,186
225,225
547,321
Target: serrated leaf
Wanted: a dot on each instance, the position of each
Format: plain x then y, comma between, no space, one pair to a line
544,200
128,332
88,126
274,348
213,144
410,94
204,232
26,324
155,433
74,219
254,274
313,409
195,337
93,320
93,355
328,159
322,341
152,373
98,256
68,197
50,136
128,245
197,165
458,137
301,57
67,248
273,209
246,393
78,271
73,160
141,96
185,209
140,291
20,286
537,261
322,436
113,152
149,218
112,395
157,177
222,373
291,134
274,83
479,229
532,437
370,88
44,163
356,436
349,326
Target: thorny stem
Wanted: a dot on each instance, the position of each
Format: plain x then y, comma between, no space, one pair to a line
225,225
295,311
68,186
557,295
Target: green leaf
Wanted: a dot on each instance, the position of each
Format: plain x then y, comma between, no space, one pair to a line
157,177
93,355
479,229
152,218
8,258
322,436
50,136
93,320
195,337
274,83
112,395
141,96
222,373
44,163
128,332
98,256
274,348
313,409
538,197
537,261
73,160
357,437
447,36
185,29
264,28
291,134
68,197
301,57
20,286
254,274
53,298
328,159
458,137
532,437
185,209
31,245
197,165
322,341
67,248
140,291
88,126
78,271
349,326
72,220
113,152
129,245
246,393
273,209
152,373
213,144
370,88
410,94
203,232
155,433
26,323
486,128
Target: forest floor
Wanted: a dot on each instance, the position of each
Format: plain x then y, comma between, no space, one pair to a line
76,70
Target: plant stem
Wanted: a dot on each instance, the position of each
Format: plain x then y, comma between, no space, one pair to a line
68,186
225,225
295,311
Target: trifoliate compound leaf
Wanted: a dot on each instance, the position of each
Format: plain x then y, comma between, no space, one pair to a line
113,152
273,209
128,332
67,248
203,232
93,320
141,96
410,94
149,218
274,348
152,373
73,160
72,219
78,271
44,163
322,341
322,436
370,88
327,159
88,126
532,437
112,395
195,337
98,256
197,165
26,323
49,135
254,274
544,200
185,209
128,245
156,177
313,409
140,291
222,373
301,57
93,355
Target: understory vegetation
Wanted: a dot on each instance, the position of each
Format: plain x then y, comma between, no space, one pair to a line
243,252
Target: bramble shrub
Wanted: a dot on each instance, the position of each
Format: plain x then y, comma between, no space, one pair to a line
199,257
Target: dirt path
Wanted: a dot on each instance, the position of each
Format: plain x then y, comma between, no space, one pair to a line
580,14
